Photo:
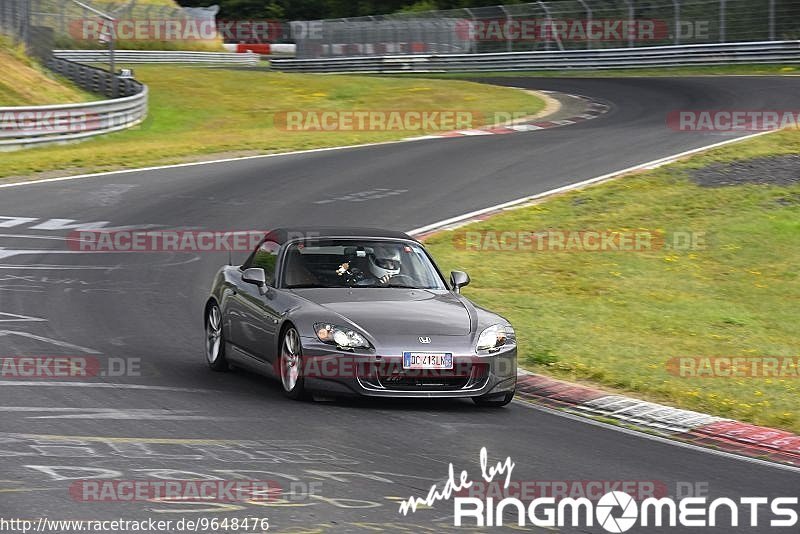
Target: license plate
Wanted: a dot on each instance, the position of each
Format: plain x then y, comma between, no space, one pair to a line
427,360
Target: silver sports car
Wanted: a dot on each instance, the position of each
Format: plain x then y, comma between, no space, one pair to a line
348,311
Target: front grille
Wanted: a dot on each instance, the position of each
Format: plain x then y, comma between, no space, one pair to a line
471,377
412,382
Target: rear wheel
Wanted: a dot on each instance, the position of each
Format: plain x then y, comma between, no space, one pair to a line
291,365
215,340
495,401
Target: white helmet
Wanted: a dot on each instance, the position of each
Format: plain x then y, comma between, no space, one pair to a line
384,262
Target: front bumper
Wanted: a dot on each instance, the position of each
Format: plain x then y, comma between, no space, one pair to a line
330,371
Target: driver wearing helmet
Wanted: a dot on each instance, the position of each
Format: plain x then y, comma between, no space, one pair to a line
384,263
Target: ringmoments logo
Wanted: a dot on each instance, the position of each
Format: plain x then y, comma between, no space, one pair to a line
615,511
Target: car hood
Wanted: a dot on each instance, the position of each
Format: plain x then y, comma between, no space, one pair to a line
393,311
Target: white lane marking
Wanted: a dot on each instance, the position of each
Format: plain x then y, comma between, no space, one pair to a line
469,133
42,409
56,342
46,267
643,166
659,439
525,127
22,289
7,253
6,317
210,162
185,262
107,413
10,222
74,224
106,385
67,224
32,236
150,415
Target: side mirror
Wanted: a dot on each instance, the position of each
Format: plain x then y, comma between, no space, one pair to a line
459,279
257,277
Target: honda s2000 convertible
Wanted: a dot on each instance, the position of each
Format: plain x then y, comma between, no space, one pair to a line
334,312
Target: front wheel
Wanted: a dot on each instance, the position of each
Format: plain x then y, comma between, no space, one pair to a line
495,401
215,340
291,365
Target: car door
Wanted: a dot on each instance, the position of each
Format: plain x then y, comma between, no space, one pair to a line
254,319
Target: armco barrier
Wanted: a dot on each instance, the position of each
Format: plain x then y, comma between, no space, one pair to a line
27,126
95,80
159,56
615,58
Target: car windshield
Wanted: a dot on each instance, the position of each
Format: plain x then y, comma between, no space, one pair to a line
355,263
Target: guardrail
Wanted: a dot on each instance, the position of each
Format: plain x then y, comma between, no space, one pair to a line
615,58
95,80
159,56
26,126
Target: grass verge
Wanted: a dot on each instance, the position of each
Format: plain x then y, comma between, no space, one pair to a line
26,83
616,319
198,112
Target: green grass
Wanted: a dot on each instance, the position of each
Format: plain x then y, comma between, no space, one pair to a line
195,113
25,82
721,70
614,319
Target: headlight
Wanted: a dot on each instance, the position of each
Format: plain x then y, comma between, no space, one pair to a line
340,336
495,337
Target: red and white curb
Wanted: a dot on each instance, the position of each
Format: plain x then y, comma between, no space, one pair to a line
594,109
698,428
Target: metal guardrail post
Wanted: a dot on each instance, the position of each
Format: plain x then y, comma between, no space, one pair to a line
509,43
473,44
110,19
26,25
722,21
13,18
588,22
549,22
771,20
631,17
677,7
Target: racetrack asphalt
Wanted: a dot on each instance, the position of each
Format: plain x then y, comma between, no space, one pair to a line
361,457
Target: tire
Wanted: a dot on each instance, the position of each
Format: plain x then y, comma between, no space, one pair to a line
494,401
215,339
290,365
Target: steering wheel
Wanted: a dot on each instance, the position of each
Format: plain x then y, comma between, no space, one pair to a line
404,277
